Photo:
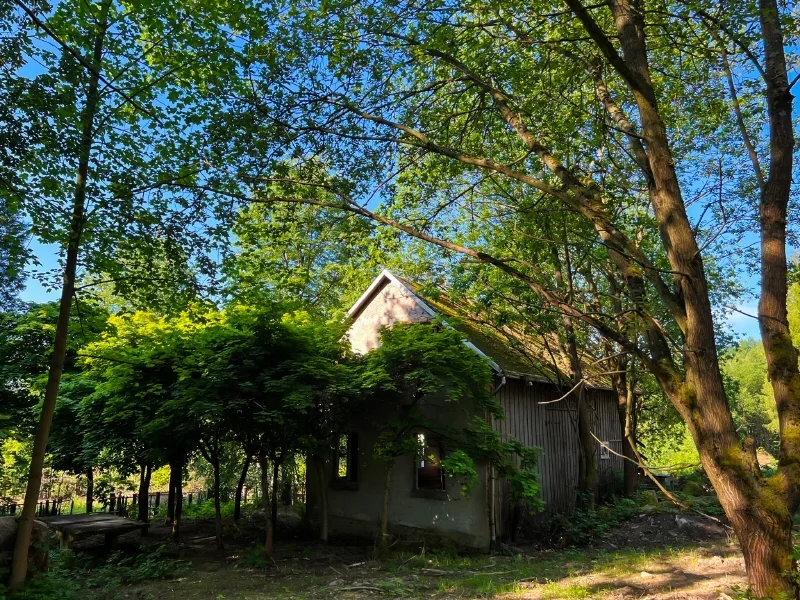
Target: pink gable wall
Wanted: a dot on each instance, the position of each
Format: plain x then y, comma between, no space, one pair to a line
388,305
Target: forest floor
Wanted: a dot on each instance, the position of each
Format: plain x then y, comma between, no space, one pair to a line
663,555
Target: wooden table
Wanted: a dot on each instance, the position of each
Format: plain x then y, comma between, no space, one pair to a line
72,527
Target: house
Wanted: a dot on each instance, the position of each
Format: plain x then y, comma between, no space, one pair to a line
424,503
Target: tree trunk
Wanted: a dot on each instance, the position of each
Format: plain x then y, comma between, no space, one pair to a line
767,548
323,500
176,522
758,508
383,544
587,455
286,485
626,409
144,492
19,566
274,499
588,451
265,487
89,490
171,493
217,503
237,505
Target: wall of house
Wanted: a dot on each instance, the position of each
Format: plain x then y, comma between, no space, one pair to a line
534,417
439,518
389,305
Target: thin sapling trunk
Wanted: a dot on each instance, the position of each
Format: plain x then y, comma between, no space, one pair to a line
176,522
383,544
89,490
323,500
237,505
144,492
265,487
274,500
19,565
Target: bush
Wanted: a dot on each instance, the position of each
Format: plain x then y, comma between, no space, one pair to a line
45,586
583,527
202,510
117,569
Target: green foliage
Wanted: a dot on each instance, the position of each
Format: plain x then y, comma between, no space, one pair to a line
26,337
583,527
73,576
118,569
253,558
202,510
47,586
460,465
750,395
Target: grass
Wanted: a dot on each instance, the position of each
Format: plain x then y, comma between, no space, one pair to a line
552,572
324,574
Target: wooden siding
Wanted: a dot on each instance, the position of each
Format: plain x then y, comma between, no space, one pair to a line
532,417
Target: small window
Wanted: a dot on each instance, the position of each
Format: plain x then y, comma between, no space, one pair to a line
604,452
430,475
346,457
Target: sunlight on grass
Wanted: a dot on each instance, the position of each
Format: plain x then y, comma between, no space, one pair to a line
547,574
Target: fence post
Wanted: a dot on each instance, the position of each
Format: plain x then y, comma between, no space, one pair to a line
135,498
158,500
13,509
72,506
190,498
113,505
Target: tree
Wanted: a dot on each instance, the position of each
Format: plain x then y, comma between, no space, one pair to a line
98,105
16,135
586,110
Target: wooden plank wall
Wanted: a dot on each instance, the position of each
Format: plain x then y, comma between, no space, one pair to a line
532,417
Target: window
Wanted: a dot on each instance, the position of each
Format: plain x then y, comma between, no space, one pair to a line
430,476
604,452
346,464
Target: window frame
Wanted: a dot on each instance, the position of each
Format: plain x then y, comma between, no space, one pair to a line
350,480
419,463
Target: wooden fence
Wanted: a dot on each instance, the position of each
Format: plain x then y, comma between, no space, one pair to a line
120,504
44,508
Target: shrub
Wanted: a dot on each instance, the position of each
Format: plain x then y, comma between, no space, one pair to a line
583,527
115,570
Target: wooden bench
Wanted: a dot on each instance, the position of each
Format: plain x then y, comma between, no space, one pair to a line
72,527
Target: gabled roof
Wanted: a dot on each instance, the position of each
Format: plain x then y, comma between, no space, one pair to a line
387,275
510,352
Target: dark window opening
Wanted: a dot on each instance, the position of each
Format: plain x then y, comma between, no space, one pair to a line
430,475
346,464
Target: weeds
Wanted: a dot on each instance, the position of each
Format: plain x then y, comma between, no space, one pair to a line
116,570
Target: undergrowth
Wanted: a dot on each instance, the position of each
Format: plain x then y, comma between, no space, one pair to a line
72,575
585,526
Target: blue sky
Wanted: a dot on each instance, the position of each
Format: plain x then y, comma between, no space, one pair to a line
47,254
